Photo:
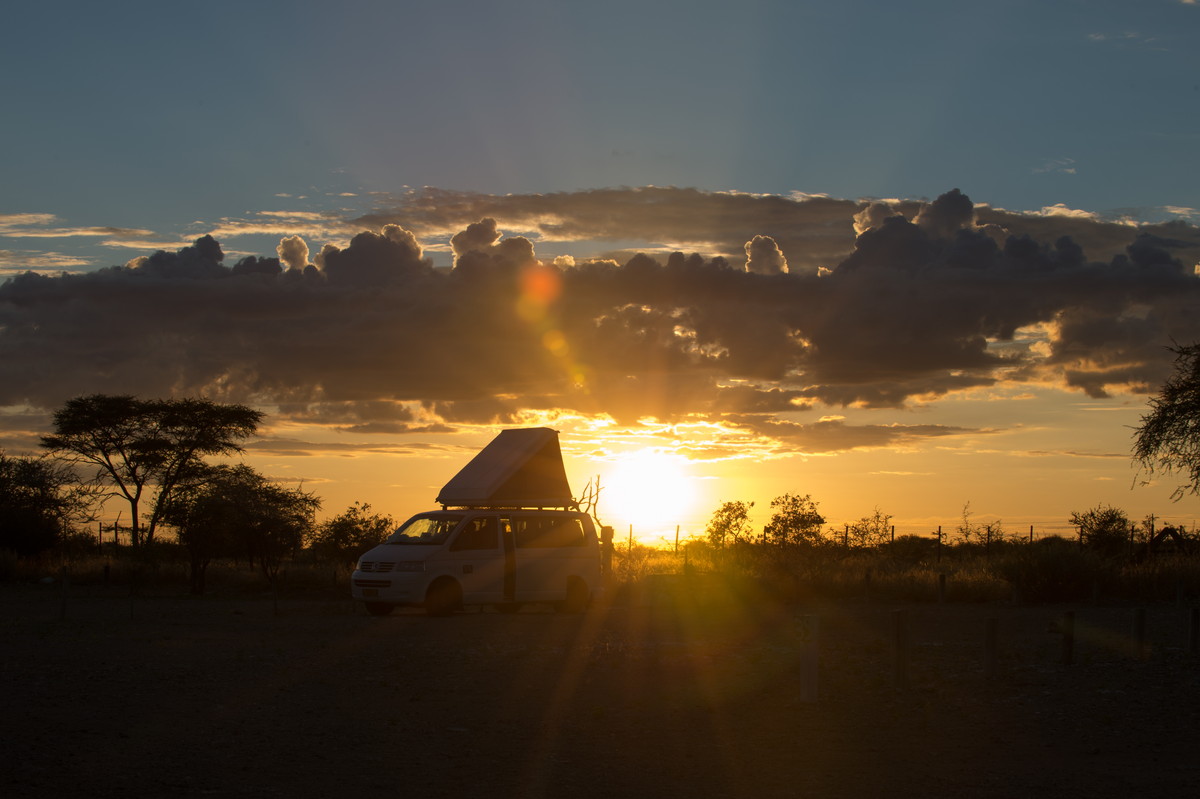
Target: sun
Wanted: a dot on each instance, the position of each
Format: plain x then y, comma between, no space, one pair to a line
649,489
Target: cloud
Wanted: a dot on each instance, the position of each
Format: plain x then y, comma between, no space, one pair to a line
834,435
810,231
314,224
1065,166
764,257
14,262
927,300
38,226
482,244
375,259
293,251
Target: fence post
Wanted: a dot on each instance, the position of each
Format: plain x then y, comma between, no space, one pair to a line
939,547
900,649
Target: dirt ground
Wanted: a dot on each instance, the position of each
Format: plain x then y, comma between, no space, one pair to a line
655,693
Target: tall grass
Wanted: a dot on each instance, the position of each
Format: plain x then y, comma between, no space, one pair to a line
1045,571
1050,570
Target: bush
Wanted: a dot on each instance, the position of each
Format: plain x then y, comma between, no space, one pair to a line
1051,570
1105,530
911,549
352,532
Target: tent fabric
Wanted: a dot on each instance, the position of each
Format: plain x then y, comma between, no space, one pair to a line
520,468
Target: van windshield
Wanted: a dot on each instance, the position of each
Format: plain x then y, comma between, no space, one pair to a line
425,530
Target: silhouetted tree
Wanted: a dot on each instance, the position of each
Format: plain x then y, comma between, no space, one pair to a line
730,522
281,520
350,533
871,531
38,498
972,532
795,521
147,448
1104,529
232,510
1168,438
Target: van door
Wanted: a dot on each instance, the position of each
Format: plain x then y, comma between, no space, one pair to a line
474,558
550,549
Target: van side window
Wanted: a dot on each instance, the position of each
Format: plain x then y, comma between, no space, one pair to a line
542,532
478,533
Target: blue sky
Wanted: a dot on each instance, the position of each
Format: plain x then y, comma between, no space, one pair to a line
166,119
136,127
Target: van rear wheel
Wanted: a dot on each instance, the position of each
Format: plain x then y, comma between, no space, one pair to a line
577,597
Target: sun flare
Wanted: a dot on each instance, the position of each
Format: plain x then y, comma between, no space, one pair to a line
649,489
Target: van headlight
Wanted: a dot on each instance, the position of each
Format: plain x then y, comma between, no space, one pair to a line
410,566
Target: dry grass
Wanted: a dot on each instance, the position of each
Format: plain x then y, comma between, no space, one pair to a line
1051,570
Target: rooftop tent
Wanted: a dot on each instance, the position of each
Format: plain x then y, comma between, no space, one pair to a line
520,468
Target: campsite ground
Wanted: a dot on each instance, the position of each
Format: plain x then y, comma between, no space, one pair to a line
655,693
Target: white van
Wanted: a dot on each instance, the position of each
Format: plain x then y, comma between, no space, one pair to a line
442,560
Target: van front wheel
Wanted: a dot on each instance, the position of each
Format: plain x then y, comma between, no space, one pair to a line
444,597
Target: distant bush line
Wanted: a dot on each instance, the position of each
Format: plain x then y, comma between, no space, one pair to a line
912,568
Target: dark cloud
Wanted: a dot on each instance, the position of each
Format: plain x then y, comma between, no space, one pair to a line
811,231
372,338
948,214
834,435
481,246
375,259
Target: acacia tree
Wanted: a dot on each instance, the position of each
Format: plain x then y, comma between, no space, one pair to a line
795,521
730,522
870,531
235,510
1168,438
38,498
1104,529
206,515
145,449
972,532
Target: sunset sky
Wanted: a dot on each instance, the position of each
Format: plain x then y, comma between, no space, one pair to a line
897,255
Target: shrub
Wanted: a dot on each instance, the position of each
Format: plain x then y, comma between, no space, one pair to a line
1051,570
1105,530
